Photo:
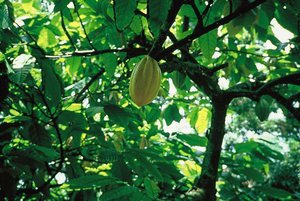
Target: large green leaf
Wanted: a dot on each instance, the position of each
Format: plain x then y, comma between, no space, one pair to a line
118,193
286,19
172,114
193,139
117,114
120,170
158,11
73,65
110,62
52,84
251,173
152,113
203,117
147,165
274,192
38,135
208,43
46,38
4,16
22,65
245,147
151,188
124,12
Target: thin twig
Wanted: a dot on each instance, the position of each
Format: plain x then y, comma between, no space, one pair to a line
94,78
66,31
210,2
81,23
175,7
230,6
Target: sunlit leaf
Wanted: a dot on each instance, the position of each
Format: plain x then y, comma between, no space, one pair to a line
203,117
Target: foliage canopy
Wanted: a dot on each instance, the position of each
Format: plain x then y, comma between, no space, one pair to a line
69,130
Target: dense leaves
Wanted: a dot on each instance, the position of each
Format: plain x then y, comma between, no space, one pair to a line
69,130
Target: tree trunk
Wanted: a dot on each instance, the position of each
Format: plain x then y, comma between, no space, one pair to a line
209,174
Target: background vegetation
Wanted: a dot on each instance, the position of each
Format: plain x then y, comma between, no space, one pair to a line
224,126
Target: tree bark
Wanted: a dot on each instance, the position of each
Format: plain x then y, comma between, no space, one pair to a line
209,173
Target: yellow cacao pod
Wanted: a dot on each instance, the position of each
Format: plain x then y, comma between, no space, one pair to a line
145,81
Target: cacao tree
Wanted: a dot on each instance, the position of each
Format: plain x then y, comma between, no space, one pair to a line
78,123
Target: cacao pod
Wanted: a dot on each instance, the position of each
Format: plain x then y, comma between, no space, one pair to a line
262,109
145,81
178,79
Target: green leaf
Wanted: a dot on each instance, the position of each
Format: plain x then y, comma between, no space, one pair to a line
152,113
89,181
287,19
110,62
251,173
151,188
147,165
203,117
117,193
52,84
172,114
193,139
46,38
124,12
120,170
193,116
158,11
117,114
245,147
274,192
38,135
91,111
208,43
47,153
4,17
73,65
22,65
113,36
262,109
60,4
270,153
136,25
73,120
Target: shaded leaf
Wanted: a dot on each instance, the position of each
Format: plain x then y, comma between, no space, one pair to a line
117,114
124,12
151,188
172,114
158,11
274,192
52,84
89,181
22,65
208,43
193,139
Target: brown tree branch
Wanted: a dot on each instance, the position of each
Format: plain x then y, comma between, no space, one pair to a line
239,11
285,102
255,89
175,6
